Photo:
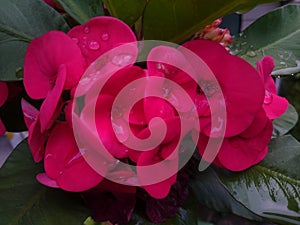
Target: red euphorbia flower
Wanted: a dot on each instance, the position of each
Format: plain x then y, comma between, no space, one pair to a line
242,151
64,164
99,35
240,85
274,105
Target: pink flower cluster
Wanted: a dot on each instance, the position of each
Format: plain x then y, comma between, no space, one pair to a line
53,68
216,34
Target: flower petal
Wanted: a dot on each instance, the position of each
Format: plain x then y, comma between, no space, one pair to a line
65,163
50,109
239,81
43,58
101,34
3,93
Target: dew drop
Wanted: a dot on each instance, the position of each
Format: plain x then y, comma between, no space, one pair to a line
105,36
76,40
121,59
86,30
166,92
61,172
251,53
84,81
94,45
117,112
268,98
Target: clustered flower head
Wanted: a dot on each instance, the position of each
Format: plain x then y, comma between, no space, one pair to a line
216,34
59,68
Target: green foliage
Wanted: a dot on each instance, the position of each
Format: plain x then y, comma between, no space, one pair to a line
275,34
20,22
272,188
82,11
177,20
129,11
25,202
286,122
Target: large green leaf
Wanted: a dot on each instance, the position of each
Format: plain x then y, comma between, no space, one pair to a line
129,11
177,20
286,122
20,22
209,191
276,34
26,202
82,11
272,188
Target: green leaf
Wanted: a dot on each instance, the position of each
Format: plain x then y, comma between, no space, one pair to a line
209,191
272,188
82,11
20,22
177,20
275,34
286,122
25,202
129,11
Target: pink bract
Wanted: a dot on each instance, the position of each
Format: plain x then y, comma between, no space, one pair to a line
246,149
274,105
64,162
240,85
43,60
99,35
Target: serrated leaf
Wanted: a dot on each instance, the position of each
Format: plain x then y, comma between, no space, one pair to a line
275,34
177,20
286,122
129,11
25,202
20,22
272,188
82,11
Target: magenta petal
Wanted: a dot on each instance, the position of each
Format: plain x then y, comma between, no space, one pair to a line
50,106
30,113
36,141
237,79
101,34
43,58
265,67
65,164
161,189
2,128
276,108
238,153
45,180
3,93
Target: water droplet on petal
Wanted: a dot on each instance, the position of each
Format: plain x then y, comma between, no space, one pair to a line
121,59
86,30
76,40
166,92
61,172
117,112
251,53
120,131
268,98
105,36
84,81
94,45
